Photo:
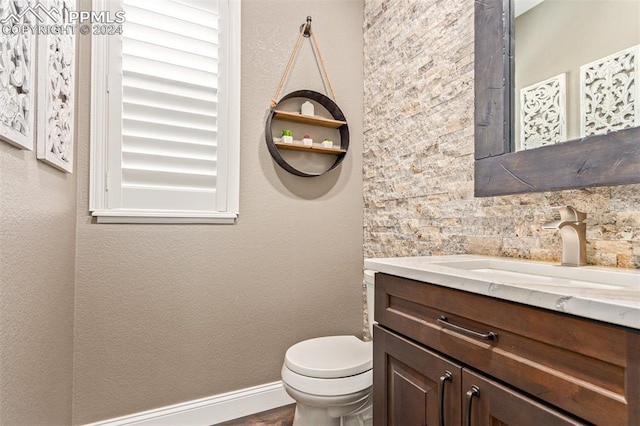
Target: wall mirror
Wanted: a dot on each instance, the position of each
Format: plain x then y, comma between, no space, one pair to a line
538,126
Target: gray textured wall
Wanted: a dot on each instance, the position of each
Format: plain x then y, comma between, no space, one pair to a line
171,313
37,272
418,153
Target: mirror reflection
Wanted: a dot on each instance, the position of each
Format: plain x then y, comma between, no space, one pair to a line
577,69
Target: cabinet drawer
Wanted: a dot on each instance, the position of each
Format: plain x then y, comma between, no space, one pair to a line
587,368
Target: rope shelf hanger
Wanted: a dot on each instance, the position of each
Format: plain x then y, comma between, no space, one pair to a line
305,32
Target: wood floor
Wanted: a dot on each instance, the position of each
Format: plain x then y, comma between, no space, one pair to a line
282,416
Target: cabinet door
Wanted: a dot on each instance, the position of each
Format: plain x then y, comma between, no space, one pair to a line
489,403
413,386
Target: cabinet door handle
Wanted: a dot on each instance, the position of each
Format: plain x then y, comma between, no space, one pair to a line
490,335
474,391
446,377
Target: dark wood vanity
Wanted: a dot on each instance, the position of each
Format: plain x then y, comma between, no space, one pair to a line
448,357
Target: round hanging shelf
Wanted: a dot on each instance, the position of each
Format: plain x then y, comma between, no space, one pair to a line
338,122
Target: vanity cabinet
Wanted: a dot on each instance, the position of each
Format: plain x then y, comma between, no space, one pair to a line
435,348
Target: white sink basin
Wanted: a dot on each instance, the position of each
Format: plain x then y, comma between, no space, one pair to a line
523,272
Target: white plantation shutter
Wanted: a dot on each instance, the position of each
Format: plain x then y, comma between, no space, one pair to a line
173,80
169,106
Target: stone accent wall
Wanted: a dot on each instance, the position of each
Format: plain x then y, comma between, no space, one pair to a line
418,153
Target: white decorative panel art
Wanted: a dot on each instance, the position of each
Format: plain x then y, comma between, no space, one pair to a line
56,94
543,113
609,93
17,74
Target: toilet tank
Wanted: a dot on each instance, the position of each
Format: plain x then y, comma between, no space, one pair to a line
369,283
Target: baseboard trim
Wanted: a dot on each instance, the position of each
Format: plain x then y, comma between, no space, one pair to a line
211,410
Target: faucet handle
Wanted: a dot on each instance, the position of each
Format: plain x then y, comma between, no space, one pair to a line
570,214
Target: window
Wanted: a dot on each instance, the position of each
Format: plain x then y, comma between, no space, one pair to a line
166,113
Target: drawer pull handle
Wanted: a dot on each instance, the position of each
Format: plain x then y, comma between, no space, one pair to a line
446,377
474,391
490,335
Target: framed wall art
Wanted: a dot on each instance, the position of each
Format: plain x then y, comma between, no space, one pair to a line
543,114
610,93
56,94
17,74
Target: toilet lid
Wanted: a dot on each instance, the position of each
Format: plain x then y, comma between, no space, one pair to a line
330,357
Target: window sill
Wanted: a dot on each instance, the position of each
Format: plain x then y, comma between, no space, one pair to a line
160,217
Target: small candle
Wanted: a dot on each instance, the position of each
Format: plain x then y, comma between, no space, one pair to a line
307,108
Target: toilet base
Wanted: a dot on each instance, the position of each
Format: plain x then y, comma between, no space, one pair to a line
306,415
342,410
363,417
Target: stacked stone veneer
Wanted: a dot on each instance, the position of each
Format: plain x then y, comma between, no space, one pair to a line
418,153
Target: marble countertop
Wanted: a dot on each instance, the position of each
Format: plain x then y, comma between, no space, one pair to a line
612,304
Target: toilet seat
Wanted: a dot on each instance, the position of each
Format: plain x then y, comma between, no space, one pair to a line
329,366
330,357
328,387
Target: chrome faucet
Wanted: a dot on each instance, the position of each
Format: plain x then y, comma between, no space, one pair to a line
573,233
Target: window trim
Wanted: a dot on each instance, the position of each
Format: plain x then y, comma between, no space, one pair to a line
100,129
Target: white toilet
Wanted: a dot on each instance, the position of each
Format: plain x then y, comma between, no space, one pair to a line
331,378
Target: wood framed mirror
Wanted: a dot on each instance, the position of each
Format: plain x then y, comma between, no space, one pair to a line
598,160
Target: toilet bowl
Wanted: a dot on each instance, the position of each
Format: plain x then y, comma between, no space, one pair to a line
331,378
